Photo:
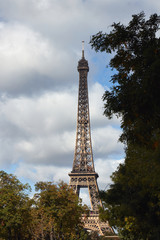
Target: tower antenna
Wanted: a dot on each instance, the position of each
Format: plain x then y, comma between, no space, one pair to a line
82,49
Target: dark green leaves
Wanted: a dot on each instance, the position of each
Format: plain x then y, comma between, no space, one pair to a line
136,85
133,200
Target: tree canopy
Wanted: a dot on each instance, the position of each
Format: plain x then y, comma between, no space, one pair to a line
14,207
53,213
59,209
133,200
136,84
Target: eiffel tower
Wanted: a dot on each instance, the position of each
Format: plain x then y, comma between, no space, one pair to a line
83,173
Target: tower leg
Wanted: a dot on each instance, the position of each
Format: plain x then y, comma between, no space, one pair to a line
94,196
75,188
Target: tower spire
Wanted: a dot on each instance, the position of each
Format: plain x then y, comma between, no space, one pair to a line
82,49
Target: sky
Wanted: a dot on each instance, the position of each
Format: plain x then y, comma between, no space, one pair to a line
40,45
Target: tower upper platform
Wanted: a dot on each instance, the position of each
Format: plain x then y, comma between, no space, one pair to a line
83,63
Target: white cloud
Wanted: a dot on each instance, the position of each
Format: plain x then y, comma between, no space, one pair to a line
38,129
42,129
97,107
106,141
105,168
69,22
42,173
29,61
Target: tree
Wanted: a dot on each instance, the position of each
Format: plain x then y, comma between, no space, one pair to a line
14,208
54,212
133,200
58,211
136,84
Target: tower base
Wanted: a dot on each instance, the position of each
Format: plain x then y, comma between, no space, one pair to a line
93,223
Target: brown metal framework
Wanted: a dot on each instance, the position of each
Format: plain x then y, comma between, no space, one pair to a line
83,173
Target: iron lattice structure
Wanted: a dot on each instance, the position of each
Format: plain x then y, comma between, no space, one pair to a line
83,173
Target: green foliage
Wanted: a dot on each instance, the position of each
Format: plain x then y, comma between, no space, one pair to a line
132,204
135,93
14,207
54,212
58,211
133,201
